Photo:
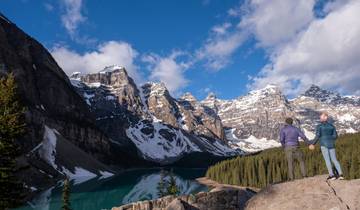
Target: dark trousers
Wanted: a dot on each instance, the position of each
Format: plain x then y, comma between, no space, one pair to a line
293,152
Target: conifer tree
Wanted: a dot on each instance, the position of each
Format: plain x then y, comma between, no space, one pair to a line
270,165
66,195
12,126
161,187
172,188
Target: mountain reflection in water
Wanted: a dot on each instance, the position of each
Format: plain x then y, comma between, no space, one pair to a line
127,187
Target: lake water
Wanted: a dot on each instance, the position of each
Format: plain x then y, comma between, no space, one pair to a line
127,187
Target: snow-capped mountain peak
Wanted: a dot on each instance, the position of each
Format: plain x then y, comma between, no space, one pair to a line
330,97
112,68
188,97
75,75
265,92
320,94
211,96
155,88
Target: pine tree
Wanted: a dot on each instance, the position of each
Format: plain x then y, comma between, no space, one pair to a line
12,126
161,187
172,188
270,165
66,195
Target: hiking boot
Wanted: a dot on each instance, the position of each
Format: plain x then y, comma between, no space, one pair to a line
331,177
341,177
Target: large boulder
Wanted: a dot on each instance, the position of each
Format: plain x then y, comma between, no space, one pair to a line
310,193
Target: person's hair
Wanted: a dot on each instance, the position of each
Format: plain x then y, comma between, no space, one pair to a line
289,121
324,113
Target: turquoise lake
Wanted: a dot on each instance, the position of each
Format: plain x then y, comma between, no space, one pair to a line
127,187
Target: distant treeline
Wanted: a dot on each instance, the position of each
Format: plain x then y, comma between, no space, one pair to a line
270,166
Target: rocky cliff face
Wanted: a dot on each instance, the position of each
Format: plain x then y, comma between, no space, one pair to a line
330,97
159,127
56,115
252,122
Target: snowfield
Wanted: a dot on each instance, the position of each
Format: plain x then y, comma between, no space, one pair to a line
155,146
250,144
159,142
47,151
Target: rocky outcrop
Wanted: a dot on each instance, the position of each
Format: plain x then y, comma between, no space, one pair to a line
200,119
216,199
186,113
310,193
117,85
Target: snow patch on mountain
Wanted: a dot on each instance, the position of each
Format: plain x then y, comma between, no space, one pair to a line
79,175
88,98
111,69
347,117
250,144
47,151
351,130
157,142
310,135
105,174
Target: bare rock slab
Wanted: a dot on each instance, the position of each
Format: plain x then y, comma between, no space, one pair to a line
310,193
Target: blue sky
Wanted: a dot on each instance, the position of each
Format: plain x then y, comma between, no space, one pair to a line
227,47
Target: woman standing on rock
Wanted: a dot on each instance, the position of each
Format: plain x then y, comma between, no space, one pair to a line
326,133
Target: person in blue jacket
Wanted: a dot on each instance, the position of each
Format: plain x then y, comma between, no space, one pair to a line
326,134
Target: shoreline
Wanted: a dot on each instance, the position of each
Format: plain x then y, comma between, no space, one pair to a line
218,186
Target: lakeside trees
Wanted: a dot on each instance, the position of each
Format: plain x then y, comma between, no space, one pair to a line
66,195
12,126
167,187
270,166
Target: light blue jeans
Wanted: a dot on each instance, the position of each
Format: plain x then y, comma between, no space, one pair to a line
330,156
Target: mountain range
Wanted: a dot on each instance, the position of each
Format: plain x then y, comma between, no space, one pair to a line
89,125
248,123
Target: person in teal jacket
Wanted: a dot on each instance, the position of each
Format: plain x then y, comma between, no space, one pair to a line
326,134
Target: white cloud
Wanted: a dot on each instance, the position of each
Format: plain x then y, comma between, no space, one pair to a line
276,21
333,5
221,29
218,49
49,7
233,12
106,54
324,53
72,16
271,22
168,70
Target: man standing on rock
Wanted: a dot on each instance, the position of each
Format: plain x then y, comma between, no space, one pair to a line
289,138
